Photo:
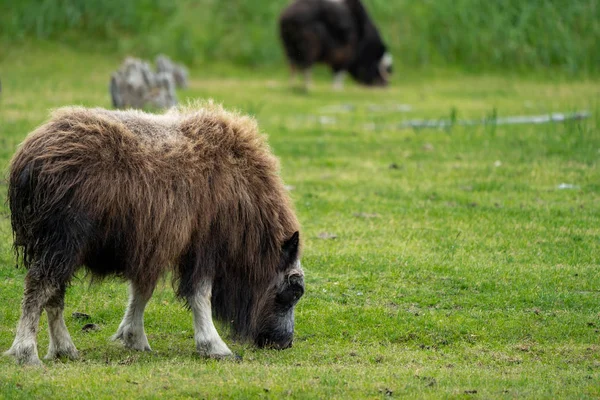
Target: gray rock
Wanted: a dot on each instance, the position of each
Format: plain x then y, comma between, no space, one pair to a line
135,85
179,71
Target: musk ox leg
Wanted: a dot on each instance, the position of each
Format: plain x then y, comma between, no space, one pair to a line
131,330
208,341
61,344
306,72
293,73
37,293
307,79
338,80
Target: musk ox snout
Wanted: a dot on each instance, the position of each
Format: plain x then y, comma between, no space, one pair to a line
385,68
277,342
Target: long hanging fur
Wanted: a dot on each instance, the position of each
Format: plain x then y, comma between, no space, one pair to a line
195,191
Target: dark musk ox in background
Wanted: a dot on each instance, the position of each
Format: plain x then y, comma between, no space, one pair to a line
195,192
338,33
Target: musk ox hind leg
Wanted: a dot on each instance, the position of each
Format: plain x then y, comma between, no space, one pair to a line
208,341
131,330
38,291
307,76
61,344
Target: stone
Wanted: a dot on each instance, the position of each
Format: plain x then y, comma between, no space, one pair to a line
135,85
179,71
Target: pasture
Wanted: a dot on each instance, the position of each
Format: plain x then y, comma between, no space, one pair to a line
440,263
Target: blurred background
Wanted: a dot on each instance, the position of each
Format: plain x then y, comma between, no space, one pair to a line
474,35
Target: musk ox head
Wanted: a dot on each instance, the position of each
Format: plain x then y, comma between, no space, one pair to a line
372,65
273,325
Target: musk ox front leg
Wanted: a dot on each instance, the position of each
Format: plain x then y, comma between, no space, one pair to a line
38,290
131,330
208,341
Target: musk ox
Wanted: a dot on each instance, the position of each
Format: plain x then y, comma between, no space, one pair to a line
338,33
195,192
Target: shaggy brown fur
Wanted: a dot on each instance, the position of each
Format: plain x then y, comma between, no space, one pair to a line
196,191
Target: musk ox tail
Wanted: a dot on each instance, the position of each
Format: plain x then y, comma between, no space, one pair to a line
42,240
20,196
47,233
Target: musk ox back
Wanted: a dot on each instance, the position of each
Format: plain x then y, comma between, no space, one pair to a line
339,33
195,192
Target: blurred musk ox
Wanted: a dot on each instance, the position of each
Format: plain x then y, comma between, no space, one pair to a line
195,192
338,33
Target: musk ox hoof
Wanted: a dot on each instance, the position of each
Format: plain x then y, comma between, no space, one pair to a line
132,339
217,350
69,352
25,354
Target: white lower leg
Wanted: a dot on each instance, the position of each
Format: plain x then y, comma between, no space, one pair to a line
36,295
24,347
307,79
61,344
131,330
338,80
208,341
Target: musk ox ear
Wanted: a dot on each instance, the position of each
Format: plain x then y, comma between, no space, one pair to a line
289,249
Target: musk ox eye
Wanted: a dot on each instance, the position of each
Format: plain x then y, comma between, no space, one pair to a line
291,294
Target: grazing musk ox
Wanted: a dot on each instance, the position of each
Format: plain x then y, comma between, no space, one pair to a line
194,191
338,33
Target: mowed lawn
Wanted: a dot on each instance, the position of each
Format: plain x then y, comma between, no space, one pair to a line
456,263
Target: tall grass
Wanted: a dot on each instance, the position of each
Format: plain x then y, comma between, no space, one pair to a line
507,33
470,34
100,19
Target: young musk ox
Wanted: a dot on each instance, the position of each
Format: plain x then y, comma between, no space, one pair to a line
194,191
339,33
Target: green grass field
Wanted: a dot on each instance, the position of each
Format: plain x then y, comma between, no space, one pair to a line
477,35
440,263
